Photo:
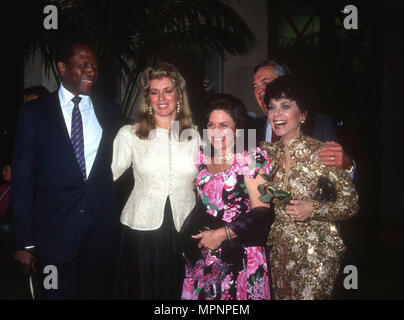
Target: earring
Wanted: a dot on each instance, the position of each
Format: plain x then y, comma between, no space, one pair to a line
178,107
302,121
150,110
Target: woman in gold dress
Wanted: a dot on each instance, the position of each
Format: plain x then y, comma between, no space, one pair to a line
306,246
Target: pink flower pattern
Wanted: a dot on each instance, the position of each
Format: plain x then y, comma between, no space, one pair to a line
224,196
213,190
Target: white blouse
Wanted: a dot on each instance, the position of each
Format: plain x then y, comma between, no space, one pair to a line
162,166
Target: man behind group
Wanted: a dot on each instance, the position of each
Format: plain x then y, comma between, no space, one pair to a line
332,154
62,189
35,92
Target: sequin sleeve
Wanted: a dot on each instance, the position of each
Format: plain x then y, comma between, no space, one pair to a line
346,204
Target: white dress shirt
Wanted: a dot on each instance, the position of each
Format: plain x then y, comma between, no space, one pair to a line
92,131
268,132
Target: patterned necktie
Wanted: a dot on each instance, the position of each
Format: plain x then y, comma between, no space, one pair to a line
77,136
274,137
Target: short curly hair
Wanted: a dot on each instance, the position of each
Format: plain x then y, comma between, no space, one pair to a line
295,89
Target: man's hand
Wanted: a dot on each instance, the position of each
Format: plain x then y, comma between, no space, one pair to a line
332,154
26,260
299,209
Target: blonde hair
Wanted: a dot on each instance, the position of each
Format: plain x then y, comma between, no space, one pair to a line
147,122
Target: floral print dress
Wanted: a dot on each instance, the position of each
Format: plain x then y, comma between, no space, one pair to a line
225,196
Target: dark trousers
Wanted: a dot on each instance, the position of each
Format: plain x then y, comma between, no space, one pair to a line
88,276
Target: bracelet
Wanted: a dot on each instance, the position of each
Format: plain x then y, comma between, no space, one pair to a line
227,232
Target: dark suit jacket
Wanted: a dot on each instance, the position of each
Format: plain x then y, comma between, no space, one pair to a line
324,128
51,202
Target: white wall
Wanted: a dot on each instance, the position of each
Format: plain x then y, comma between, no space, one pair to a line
34,74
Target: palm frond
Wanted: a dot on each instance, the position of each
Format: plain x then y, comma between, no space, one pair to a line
130,34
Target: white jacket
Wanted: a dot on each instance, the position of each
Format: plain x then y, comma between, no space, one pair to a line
162,166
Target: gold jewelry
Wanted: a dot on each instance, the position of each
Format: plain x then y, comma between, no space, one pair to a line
227,232
332,158
225,158
178,107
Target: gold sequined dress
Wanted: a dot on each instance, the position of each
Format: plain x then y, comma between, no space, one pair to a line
303,265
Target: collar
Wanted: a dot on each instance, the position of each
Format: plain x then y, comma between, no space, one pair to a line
296,140
298,147
65,97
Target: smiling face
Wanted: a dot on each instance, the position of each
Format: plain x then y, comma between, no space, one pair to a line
285,117
262,77
163,99
221,131
80,72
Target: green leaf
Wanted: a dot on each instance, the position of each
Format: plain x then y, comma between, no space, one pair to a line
280,194
266,177
261,189
205,199
266,198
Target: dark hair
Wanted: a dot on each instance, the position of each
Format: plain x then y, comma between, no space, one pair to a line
5,164
40,91
292,88
231,105
65,46
228,103
279,69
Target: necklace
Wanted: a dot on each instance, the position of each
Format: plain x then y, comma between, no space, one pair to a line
225,158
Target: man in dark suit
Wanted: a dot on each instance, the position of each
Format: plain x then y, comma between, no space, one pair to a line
324,129
62,190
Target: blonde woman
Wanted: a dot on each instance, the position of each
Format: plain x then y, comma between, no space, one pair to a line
160,148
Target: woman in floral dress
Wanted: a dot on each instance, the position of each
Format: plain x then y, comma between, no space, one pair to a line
232,262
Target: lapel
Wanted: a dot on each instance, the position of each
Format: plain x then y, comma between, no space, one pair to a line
61,131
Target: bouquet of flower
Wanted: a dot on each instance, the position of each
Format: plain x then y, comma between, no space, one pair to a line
268,192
